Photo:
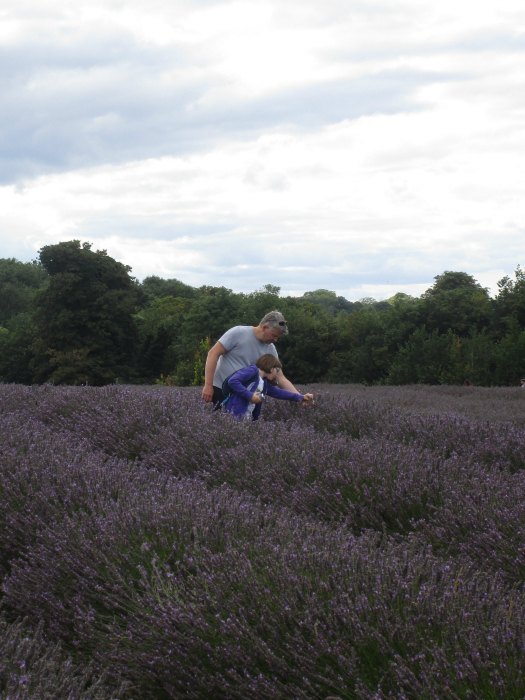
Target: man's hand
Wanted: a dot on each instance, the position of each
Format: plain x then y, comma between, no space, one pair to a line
212,359
207,393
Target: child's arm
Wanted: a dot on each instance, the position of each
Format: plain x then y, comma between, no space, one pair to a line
243,376
277,393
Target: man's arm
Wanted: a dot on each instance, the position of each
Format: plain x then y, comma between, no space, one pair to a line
209,370
286,384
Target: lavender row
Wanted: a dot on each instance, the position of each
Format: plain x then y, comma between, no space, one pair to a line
188,555
31,667
201,593
472,427
398,477
120,419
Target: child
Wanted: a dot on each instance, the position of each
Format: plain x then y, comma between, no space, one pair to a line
249,385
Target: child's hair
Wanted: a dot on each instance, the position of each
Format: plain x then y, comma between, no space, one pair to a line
268,362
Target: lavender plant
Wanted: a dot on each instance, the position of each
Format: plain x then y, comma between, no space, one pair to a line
31,667
370,547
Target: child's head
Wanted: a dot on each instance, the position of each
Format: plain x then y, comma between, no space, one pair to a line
269,365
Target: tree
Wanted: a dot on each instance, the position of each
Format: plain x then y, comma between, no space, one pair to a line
19,282
458,303
424,359
509,329
510,302
16,349
329,301
84,316
510,359
214,311
360,353
403,318
155,287
258,303
159,325
305,350
449,281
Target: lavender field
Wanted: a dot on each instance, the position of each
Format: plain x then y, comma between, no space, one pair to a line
370,547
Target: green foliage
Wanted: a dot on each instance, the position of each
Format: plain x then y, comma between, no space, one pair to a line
444,358
19,283
509,358
451,281
84,317
423,359
305,349
77,317
456,302
16,349
478,360
159,326
360,353
510,302
213,311
200,361
154,287
255,305
329,301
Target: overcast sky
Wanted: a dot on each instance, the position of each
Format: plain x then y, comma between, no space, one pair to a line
358,146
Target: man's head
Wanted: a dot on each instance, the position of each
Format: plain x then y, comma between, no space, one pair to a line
274,325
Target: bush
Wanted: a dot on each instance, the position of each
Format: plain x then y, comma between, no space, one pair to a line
370,547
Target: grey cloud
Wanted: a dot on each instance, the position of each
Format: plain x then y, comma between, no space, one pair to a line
110,100
491,41
371,274
326,103
299,280
250,262
133,227
85,112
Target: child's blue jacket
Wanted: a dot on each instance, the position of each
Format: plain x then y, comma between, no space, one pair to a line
243,383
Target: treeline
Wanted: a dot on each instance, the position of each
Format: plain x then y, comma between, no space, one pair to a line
77,316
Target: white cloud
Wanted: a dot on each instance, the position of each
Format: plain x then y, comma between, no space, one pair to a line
363,147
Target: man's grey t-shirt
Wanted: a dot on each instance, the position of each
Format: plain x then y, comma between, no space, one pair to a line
242,349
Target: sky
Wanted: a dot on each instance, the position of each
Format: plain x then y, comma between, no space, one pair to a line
359,146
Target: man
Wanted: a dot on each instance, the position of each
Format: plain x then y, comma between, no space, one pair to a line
239,347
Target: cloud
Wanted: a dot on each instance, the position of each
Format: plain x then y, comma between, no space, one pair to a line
102,85
350,146
71,111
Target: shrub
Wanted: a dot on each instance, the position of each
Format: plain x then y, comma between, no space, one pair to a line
370,547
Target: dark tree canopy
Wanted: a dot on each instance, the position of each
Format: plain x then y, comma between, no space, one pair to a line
84,316
77,316
449,281
456,302
510,301
19,283
154,287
